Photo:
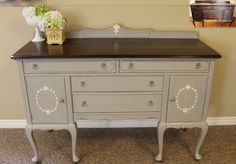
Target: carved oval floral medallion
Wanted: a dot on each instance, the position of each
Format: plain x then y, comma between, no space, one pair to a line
187,88
52,94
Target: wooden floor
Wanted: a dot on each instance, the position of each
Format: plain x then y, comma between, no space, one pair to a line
212,24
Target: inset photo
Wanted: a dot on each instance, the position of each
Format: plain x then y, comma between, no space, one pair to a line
212,13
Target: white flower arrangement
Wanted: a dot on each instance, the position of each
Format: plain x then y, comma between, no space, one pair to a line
28,12
42,19
30,16
52,20
32,19
34,14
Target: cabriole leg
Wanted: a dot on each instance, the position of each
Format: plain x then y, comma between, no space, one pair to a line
30,136
203,132
161,131
73,132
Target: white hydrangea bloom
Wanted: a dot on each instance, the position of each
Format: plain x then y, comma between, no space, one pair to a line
52,19
33,21
28,12
55,14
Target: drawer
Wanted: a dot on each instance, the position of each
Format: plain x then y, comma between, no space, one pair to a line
163,66
89,103
117,83
201,8
69,66
224,8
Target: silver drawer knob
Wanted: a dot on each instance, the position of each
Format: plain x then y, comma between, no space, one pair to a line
103,66
35,66
83,84
198,66
151,83
172,99
61,101
84,104
150,103
131,66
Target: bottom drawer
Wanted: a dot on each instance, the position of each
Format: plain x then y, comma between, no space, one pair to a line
90,103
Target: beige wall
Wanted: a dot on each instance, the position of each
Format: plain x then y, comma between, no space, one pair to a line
163,15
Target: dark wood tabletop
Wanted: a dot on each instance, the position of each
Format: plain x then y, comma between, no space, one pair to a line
118,48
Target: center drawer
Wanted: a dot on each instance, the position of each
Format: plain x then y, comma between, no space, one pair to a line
126,102
117,83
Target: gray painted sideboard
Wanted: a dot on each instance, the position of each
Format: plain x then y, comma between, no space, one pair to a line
166,76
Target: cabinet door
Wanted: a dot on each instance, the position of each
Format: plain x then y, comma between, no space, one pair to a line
228,14
47,99
186,98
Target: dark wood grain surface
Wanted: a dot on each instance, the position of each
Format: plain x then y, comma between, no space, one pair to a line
118,48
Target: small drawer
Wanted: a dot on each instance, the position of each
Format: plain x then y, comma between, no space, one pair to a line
201,7
163,66
221,8
69,66
117,83
89,103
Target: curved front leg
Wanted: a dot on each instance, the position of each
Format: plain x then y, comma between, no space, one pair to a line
73,132
161,131
203,132
30,136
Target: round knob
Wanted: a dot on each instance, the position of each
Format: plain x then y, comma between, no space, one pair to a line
83,84
198,65
151,83
84,104
172,99
131,66
35,66
103,66
150,103
61,100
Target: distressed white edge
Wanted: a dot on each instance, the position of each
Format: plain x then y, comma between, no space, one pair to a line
16,124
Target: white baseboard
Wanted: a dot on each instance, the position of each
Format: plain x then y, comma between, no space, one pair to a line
14,124
119,123
221,121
